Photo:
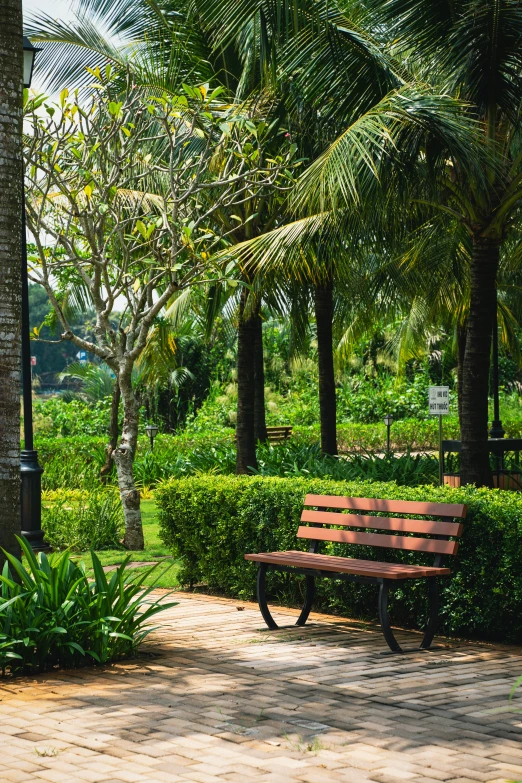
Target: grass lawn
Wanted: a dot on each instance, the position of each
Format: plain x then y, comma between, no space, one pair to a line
165,573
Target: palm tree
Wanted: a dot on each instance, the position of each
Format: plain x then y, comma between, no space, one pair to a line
407,136
474,48
11,70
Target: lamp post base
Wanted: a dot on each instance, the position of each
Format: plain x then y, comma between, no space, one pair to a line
497,430
31,499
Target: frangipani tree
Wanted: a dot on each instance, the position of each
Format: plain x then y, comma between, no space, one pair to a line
121,198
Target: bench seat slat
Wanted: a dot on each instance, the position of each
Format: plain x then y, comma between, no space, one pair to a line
378,539
383,523
455,510
346,565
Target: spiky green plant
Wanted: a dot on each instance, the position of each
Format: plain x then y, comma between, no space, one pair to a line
54,613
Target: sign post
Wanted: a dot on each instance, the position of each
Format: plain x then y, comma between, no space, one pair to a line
439,406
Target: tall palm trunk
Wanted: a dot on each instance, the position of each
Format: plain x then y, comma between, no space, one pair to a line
245,438
11,58
474,456
123,457
259,382
323,300
461,350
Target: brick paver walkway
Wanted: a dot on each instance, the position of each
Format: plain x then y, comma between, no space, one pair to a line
220,699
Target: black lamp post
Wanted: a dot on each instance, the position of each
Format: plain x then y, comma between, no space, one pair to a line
31,472
497,430
388,420
151,430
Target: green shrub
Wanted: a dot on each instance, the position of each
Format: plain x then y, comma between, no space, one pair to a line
178,456
63,417
52,613
294,458
72,463
211,522
83,519
76,462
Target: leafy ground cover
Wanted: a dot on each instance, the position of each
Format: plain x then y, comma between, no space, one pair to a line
74,463
56,613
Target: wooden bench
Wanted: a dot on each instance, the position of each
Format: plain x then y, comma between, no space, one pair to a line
278,434
442,533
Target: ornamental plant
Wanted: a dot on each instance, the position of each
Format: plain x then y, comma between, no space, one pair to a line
53,613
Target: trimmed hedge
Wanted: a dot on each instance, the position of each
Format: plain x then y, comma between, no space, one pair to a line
210,522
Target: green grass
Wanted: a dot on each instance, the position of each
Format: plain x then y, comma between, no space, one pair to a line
165,574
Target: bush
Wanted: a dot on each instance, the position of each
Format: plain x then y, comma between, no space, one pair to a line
72,463
212,522
53,614
76,465
83,519
296,459
63,417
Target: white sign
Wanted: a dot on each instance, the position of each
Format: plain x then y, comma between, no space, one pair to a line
439,400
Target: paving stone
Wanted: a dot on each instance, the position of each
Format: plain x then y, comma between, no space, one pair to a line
221,699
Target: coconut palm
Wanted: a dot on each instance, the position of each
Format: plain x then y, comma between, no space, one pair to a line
11,68
407,137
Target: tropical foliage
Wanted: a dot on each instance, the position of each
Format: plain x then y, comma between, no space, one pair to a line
54,613
83,520
241,191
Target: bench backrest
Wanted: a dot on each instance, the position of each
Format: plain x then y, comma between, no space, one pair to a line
442,530
278,434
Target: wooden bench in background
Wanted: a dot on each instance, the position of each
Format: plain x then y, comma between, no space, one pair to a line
278,434
437,537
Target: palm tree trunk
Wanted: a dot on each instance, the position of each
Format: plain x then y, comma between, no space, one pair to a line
123,457
106,470
475,467
245,438
259,383
10,263
323,299
461,349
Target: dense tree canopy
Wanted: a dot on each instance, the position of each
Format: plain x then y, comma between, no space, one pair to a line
383,141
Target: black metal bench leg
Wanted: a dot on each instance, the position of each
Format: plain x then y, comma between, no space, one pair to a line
309,599
384,619
433,593
261,596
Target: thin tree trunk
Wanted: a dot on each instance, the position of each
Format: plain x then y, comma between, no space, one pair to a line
259,383
11,179
245,439
114,432
461,349
474,457
123,457
323,298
